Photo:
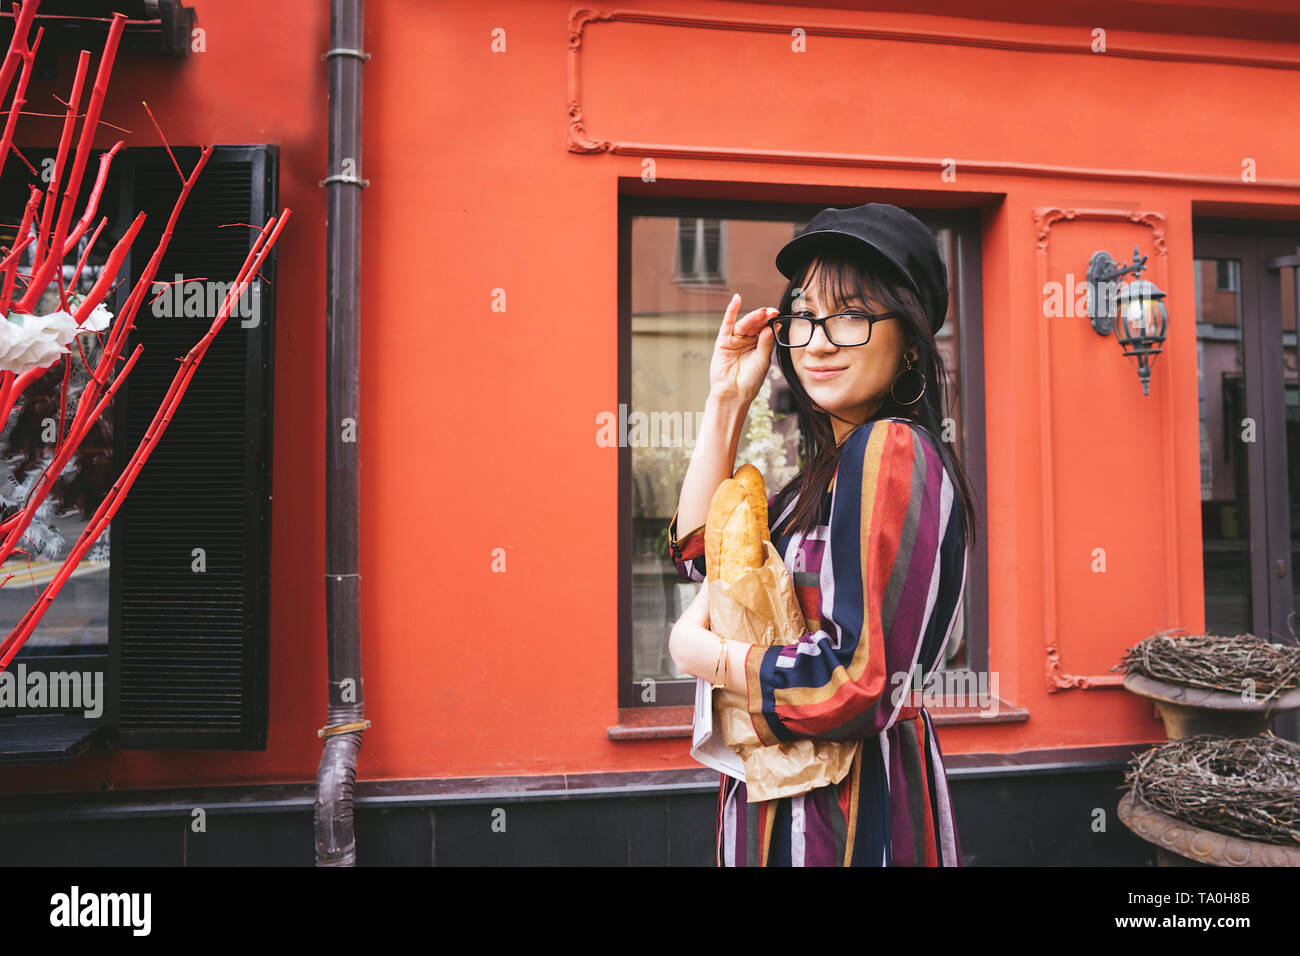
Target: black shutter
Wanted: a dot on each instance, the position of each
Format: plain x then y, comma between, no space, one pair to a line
188,650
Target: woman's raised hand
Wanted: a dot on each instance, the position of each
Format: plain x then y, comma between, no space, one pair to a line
741,358
742,353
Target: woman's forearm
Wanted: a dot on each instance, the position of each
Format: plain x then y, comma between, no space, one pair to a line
713,460
695,651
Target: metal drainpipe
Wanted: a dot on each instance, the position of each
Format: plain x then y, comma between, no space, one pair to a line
335,838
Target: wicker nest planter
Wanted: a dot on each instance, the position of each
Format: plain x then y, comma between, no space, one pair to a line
1220,767
1236,800
1181,844
1196,681
1195,710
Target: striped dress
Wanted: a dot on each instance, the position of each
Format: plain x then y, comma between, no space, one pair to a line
880,581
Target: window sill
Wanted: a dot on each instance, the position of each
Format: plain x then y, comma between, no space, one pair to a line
662,723
652,723
1005,713
27,739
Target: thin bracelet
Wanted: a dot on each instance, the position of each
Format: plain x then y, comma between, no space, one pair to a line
723,663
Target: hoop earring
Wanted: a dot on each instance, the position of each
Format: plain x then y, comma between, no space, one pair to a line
910,368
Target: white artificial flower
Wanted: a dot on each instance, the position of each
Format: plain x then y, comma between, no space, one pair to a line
99,316
37,341
98,319
26,342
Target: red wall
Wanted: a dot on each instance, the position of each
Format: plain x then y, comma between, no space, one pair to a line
485,440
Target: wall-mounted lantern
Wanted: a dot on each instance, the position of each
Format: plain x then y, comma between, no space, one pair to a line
1135,312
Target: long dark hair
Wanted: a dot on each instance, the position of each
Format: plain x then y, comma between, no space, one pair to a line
845,276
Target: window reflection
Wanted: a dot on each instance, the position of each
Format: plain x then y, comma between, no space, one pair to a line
683,273
77,621
1225,491
1291,387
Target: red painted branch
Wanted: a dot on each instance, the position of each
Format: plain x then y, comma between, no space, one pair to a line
19,97
92,203
121,328
17,43
108,507
41,278
10,264
61,155
23,629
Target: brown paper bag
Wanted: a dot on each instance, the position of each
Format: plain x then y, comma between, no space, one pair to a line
760,607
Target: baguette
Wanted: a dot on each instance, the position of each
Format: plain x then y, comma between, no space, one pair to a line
733,539
752,480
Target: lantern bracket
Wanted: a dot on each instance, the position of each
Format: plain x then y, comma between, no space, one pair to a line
1103,287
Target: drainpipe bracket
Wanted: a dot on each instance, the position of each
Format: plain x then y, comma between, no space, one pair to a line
343,728
345,51
345,178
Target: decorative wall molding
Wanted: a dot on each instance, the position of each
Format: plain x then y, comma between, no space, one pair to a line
581,140
1045,217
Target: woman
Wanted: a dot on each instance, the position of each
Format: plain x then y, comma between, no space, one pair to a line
879,561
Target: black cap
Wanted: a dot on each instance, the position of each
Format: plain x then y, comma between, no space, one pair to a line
895,233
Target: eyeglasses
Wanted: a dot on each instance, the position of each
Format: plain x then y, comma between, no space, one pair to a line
843,329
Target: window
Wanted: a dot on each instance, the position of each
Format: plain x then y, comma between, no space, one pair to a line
1226,273
701,251
76,624
667,332
172,607
1249,403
